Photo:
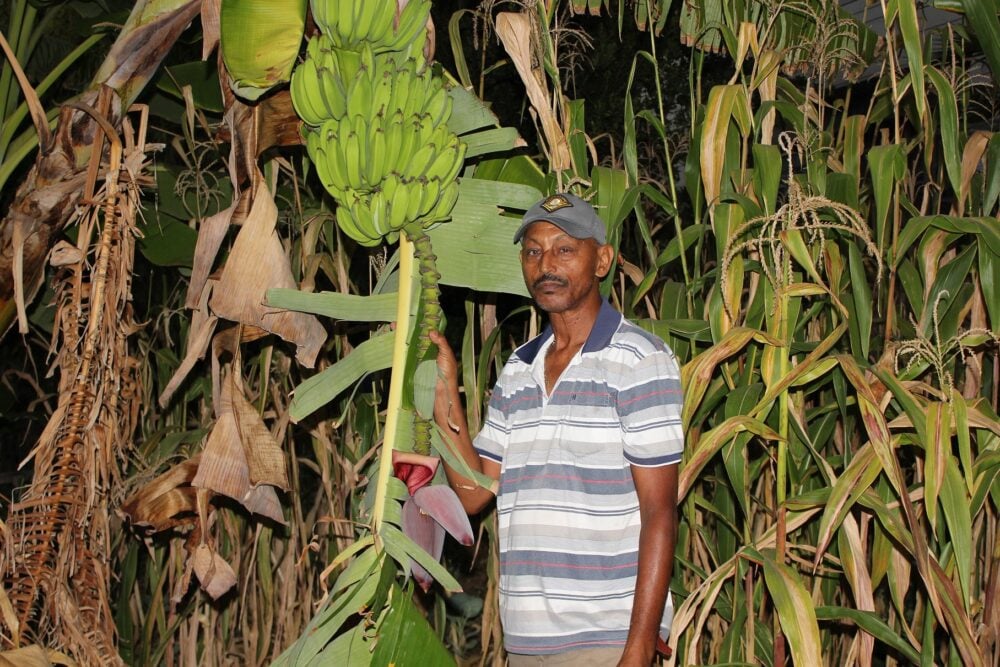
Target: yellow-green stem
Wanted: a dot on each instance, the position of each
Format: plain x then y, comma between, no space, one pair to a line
396,379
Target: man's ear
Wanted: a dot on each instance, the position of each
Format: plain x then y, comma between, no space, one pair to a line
605,255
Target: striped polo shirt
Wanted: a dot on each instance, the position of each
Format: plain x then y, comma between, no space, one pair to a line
566,505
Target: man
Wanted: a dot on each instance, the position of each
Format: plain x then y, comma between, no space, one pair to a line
583,432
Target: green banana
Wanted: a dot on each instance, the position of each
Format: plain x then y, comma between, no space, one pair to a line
420,160
445,204
382,22
411,22
430,192
331,92
413,199
305,97
359,95
353,156
377,150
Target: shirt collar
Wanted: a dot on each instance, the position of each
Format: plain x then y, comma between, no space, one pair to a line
604,328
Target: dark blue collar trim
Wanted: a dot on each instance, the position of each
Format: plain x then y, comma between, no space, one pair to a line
604,328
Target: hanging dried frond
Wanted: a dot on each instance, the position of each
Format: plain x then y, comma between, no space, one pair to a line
54,563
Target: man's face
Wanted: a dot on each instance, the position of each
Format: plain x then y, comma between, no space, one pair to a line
561,272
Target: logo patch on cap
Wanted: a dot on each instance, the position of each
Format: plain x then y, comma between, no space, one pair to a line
556,202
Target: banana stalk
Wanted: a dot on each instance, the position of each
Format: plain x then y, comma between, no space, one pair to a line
430,316
399,353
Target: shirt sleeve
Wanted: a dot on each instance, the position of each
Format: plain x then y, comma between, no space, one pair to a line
649,406
491,442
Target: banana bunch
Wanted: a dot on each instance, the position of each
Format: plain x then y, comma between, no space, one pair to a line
324,86
376,119
351,23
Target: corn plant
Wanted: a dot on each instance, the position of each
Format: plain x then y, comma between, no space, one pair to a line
840,482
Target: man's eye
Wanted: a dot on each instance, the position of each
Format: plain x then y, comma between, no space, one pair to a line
566,250
531,252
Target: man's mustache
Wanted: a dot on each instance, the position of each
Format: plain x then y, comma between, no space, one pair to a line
549,278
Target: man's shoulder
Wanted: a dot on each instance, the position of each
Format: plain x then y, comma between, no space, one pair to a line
634,339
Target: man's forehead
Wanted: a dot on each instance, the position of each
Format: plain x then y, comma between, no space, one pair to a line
546,228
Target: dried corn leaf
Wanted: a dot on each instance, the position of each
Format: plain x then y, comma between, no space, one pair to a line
214,573
514,30
256,264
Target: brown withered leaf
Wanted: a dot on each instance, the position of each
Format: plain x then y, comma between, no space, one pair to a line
203,326
256,264
241,459
34,656
210,235
157,505
213,572
277,122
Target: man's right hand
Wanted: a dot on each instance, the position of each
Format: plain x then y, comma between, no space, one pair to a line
450,417
446,397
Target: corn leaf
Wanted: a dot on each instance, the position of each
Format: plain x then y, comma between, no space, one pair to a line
871,623
795,611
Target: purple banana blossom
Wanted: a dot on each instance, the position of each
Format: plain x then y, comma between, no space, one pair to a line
429,511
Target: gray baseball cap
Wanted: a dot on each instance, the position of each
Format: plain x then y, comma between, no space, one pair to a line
567,212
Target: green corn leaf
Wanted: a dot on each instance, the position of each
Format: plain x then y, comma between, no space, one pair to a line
905,12
948,109
955,504
797,248
937,448
992,179
458,54
697,374
676,245
945,291
767,174
374,354
883,164
854,145
989,282
861,295
862,471
873,625
963,438
724,104
795,611
982,15
711,442
913,410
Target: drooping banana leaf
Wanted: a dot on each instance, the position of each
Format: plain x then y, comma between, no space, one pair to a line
260,42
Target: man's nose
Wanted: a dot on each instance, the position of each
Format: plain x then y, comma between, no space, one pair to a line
548,260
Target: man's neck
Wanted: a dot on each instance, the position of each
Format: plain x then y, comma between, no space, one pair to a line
571,328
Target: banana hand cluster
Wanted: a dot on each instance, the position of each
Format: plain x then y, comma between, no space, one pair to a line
351,23
376,118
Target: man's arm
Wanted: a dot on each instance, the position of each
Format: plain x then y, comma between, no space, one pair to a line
450,417
657,492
